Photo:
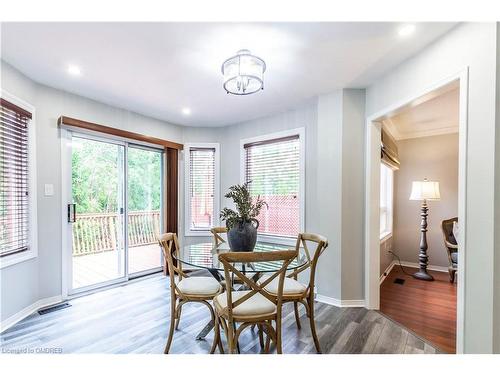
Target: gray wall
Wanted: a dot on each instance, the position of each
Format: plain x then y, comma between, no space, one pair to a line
40,278
334,126
472,46
435,158
353,193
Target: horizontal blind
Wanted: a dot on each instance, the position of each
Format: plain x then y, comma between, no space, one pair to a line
201,187
272,169
14,202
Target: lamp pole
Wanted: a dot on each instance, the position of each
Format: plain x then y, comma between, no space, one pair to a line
423,259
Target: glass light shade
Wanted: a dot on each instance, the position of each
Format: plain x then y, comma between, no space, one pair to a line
243,73
425,190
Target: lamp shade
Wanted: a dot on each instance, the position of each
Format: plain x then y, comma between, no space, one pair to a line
425,190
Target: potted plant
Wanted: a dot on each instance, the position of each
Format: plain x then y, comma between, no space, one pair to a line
242,224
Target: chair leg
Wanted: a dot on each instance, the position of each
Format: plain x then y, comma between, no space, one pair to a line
230,337
268,343
278,335
261,336
172,326
178,317
297,318
216,335
452,275
313,324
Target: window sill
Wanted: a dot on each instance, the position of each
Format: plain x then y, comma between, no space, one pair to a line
200,233
277,240
385,236
13,259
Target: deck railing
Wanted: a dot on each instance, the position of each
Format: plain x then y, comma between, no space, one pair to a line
95,233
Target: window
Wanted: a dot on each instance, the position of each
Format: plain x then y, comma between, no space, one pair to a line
17,210
201,188
386,197
273,167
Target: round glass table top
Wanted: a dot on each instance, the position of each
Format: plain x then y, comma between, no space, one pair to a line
204,255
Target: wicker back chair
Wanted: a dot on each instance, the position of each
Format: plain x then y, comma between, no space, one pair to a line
185,288
255,306
451,245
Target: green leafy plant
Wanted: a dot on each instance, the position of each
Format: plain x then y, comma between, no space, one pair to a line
246,208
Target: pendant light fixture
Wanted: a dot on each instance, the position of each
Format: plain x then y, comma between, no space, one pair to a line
243,73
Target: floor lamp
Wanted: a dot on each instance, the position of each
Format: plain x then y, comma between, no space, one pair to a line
424,191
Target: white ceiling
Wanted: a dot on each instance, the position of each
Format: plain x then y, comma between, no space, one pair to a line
159,68
432,116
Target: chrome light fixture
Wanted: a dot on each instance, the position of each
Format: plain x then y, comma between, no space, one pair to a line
243,73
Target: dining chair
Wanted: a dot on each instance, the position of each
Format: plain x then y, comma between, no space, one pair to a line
254,306
217,238
186,288
297,292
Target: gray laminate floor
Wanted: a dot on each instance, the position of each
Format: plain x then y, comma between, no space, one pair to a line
134,319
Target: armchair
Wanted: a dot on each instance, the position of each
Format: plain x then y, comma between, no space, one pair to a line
451,245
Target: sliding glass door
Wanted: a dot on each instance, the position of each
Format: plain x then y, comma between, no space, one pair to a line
114,213
97,176
144,209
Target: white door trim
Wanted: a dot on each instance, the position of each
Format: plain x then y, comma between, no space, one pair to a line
372,196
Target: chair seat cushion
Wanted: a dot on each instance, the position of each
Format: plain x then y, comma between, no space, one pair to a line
255,305
290,286
454,257
203,286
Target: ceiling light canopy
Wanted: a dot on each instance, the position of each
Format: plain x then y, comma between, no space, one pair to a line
243,73
186,111
74,70
406,30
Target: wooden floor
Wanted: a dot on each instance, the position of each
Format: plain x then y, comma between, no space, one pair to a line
134,319
427,308
97,268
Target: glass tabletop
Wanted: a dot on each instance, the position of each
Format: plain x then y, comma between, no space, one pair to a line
204,255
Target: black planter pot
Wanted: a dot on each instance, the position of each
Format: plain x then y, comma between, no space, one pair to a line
243,236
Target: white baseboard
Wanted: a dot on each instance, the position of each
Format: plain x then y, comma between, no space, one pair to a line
27,311
409,264
430,267
387,271
340,303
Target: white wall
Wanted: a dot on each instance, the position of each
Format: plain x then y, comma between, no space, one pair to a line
435,158
473,46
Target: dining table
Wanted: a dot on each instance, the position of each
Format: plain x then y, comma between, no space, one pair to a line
205,256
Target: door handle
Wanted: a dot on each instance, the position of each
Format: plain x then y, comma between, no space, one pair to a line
71,212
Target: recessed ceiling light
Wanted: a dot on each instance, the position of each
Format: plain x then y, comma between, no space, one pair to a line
186,111
74,70
406,30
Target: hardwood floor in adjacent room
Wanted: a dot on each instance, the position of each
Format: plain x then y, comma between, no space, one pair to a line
134,319
428,308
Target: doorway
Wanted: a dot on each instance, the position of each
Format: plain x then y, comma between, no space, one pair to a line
373,182
114,211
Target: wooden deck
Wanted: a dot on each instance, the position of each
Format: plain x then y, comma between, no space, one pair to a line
109,265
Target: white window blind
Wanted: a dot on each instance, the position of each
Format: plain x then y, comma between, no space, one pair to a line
272,169
386,200
14,200
201,187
